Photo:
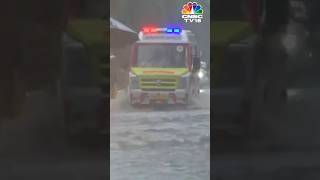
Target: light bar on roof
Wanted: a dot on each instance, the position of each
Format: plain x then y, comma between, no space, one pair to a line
169,30
149,30
173,30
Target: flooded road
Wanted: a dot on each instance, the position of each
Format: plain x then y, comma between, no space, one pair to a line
167,143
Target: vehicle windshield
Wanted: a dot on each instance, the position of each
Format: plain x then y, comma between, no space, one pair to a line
162,55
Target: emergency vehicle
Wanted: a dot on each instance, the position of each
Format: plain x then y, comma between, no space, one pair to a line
163,67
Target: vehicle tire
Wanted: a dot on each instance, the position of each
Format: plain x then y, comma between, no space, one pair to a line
133,105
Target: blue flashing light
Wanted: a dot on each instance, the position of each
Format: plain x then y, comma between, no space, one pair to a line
173,30
176,30
169,30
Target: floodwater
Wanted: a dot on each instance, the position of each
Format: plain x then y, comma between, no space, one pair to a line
153,143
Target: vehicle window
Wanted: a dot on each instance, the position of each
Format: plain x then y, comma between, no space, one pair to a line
162,56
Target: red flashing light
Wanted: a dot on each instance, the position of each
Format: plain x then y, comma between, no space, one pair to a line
153,30
146,30
149,30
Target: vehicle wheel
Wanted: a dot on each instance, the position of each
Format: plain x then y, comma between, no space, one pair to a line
130,100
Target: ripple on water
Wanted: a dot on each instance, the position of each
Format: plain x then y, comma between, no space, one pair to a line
161,145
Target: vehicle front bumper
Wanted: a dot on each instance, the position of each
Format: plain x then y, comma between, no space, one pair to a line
138,96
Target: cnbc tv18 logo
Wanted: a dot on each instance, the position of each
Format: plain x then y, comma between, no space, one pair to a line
192,12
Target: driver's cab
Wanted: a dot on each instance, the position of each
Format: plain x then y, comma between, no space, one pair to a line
163,61
165,48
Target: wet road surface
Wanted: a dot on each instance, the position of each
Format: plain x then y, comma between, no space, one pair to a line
166,143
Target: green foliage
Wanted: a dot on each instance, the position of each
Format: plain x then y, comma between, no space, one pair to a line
93,34
225,32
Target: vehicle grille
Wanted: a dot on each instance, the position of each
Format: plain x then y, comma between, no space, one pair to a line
158,89
164,80
158,83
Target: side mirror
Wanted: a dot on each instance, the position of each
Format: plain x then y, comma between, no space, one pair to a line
196,64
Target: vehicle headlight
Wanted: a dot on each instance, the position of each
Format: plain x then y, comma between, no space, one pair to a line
134,81
183,82
200,74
